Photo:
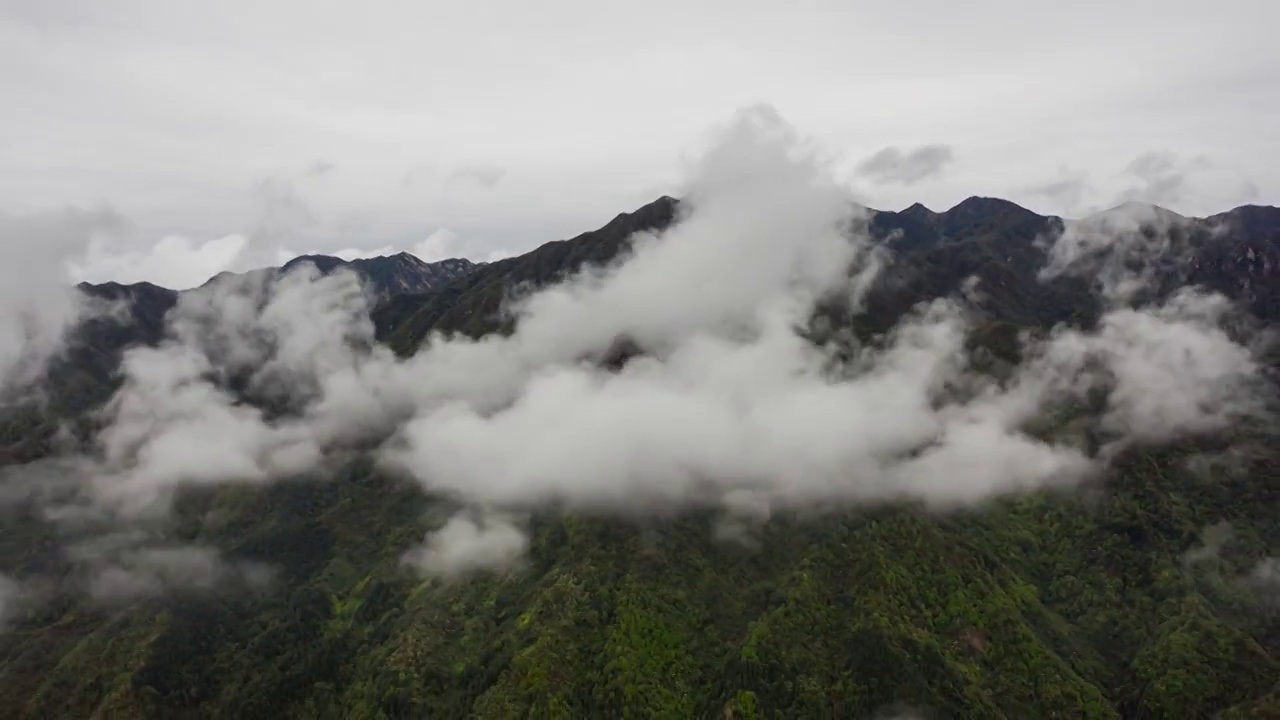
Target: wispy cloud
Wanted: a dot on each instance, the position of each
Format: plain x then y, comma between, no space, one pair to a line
38,304
893,165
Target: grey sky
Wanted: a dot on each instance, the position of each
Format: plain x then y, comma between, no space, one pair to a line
273,127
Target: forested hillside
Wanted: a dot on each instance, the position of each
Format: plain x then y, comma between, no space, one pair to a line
1145,587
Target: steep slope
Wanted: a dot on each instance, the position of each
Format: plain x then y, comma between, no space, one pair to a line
472,305
1242,258
84,375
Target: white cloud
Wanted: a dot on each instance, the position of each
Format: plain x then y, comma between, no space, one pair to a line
439,245
1212,539
444,244
174,261
729,398
726,399
350,254
465,543
123,567
1176,371
496,255
37,301
1120,248
284,255
1264,578
170,424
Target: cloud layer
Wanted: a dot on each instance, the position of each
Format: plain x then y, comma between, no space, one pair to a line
725,404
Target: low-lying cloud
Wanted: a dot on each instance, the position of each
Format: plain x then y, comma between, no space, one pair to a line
469,541
1264,579
1122,248
151,571
294,343
726,403
38,304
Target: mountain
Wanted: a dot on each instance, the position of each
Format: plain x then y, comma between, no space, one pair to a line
390,275
86,374
403,273
1126,598
1236,253
472,304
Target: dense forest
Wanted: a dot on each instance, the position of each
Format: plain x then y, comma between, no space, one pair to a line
1149,591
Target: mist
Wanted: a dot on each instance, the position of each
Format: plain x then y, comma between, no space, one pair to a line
1119,248
10,595
38,304
134,572
727,398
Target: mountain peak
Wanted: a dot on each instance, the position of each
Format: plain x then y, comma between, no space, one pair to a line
977,214
324,263
980,204
405,273
919,211
403,256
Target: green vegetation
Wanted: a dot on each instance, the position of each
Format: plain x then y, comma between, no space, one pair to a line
1084,604
1043,606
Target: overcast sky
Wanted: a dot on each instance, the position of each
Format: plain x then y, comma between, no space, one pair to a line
231,134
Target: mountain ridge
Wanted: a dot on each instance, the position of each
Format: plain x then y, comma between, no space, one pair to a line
1251,217
987,234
